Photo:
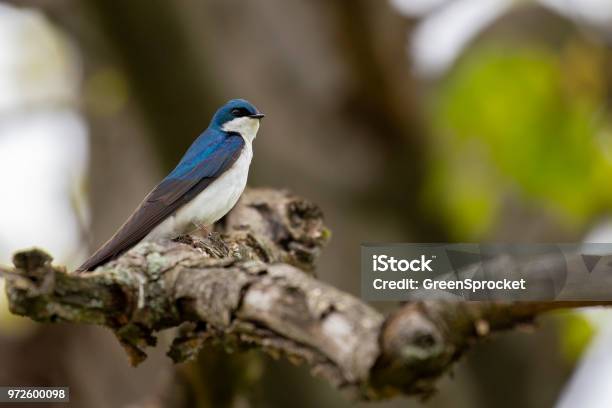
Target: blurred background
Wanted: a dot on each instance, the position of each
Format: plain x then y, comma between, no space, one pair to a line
405,120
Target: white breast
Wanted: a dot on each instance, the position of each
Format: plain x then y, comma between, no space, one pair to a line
218,198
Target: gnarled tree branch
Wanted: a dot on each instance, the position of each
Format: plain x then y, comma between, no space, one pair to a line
250,286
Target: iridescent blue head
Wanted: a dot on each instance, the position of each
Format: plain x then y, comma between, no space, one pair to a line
233,110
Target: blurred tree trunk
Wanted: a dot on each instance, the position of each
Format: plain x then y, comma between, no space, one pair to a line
384,99
170,78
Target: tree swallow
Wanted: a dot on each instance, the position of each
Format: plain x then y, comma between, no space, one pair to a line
204,186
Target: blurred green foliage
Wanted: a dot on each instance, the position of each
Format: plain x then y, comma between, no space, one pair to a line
576,333
520,122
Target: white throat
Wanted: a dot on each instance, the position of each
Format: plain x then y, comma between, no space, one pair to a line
245,126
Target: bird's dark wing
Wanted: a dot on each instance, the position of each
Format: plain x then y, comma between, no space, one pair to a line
167,197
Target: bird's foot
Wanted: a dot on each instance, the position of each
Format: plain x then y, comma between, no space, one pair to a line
183,239
203,231
206,240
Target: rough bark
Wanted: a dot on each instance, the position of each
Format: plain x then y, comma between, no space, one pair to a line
250,285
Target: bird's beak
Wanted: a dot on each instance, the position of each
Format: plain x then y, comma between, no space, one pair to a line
257,115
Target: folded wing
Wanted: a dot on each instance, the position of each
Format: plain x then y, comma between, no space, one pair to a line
168,196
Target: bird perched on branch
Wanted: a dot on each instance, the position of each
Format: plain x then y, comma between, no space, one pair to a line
203,187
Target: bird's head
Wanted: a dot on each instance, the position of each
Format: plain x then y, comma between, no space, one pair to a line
238,115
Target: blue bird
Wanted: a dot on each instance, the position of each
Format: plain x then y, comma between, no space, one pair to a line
203,187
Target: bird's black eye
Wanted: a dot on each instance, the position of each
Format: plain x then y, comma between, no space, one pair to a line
239,112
